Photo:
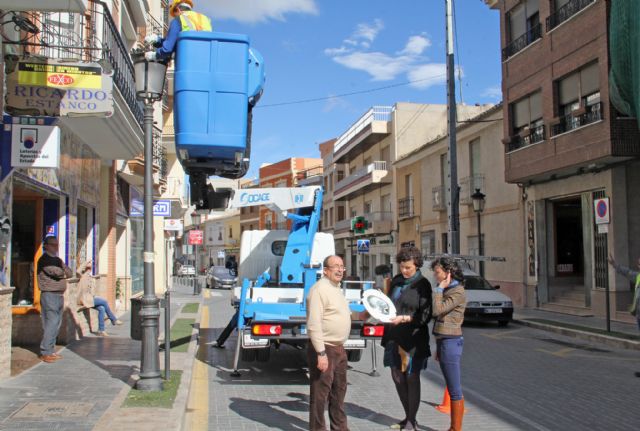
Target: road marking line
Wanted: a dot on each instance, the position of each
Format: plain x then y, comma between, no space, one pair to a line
207,295
198,405
608,358
503,335
562,353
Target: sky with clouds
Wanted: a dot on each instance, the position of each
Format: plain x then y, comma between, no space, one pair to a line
329,61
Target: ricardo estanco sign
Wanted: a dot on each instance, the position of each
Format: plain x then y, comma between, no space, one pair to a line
55,88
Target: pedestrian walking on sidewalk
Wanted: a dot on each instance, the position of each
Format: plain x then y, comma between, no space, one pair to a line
328,326
406,337
52,276
87,299
449,302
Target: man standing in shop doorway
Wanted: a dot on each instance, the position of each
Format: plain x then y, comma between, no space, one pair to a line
52,275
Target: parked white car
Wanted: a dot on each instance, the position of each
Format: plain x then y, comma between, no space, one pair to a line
187,270
484,302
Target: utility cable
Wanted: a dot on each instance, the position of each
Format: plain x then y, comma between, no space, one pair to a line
354,93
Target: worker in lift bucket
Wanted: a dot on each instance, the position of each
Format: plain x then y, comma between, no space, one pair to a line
185,20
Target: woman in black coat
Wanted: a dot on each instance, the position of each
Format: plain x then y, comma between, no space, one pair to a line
406,337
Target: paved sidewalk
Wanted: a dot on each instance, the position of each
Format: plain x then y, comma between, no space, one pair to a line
593,328
85,389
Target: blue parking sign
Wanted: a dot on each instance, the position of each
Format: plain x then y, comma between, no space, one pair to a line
363,246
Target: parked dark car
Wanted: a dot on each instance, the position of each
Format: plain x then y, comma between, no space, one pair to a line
221,277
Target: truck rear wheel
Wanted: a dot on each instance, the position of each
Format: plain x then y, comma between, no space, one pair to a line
354,355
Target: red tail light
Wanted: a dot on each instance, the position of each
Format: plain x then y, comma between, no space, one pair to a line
262,329
372,331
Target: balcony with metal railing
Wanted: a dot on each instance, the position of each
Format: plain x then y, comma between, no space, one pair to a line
468,186
371,128
90,37
575,120
565,12
362,180
405,208
520,43
528,137
310,177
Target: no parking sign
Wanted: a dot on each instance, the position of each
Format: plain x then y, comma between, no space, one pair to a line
601,208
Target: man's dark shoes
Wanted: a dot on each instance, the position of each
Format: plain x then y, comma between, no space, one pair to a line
217,345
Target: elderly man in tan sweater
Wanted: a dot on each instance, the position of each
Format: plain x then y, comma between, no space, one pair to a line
328,325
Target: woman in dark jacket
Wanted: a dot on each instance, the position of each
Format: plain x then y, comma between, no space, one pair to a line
406,337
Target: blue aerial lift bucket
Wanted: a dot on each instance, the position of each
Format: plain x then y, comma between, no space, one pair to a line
218,80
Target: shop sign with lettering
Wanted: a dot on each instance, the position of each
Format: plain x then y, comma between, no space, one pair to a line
54,87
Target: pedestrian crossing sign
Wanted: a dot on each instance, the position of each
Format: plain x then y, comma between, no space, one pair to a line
363,246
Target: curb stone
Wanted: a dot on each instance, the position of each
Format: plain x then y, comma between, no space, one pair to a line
607,340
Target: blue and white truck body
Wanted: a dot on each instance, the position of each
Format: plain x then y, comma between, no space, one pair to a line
278,268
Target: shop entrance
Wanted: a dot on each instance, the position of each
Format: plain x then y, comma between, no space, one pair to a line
34,216
23,248
566,254
569,255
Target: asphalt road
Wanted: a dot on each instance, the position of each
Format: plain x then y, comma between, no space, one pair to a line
514,378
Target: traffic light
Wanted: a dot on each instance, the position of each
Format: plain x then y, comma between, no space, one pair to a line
359,224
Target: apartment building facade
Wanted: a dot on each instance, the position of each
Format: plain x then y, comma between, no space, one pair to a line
360,178
568,149
422,202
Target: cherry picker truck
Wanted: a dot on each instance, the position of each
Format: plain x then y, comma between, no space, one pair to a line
277,269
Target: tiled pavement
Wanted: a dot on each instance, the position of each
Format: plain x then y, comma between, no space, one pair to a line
84,390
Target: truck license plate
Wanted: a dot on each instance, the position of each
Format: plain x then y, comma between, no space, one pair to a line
493,310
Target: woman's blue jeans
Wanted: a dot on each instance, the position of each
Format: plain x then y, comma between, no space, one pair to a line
449,355
102,306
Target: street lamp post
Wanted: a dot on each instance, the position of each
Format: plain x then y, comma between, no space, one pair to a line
478,207
149,76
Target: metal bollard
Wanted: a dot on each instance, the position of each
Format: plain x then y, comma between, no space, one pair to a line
167,334
194,280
